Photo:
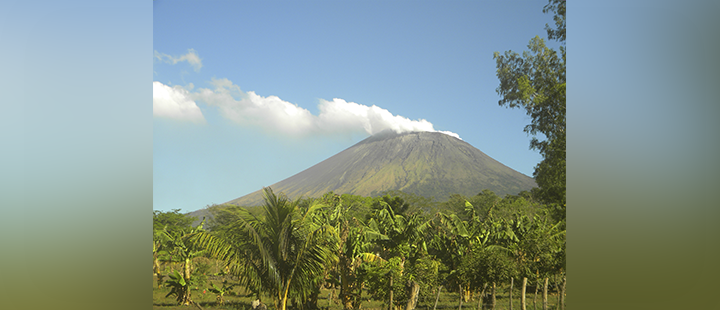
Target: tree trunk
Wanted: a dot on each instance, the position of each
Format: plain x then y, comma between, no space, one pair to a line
522,294
438,297
156,269
156,265
186,276
482,297
557,289
284,296
414,294
537,285
358,299
390,305
345,285
511,287
345,294
493,297
186,270
562,293
545,289
461,292
283,304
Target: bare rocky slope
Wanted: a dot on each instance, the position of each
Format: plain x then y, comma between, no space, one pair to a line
429,164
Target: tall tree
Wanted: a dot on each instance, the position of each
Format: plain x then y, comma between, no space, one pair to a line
279,253
535,81
172,221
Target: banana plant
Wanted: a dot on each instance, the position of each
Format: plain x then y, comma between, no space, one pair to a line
178,286
158,252
406,241
182,247
221,290
354,240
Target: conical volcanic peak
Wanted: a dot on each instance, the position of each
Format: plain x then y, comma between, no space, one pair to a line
429,164
383,135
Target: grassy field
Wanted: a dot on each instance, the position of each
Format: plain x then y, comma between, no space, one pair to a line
237,300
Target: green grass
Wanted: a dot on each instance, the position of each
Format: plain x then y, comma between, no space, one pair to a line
237,300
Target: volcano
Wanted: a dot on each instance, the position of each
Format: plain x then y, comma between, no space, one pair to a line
429,164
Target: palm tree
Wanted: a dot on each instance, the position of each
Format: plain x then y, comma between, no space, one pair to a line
279,253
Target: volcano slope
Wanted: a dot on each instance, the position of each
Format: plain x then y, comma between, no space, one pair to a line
429,164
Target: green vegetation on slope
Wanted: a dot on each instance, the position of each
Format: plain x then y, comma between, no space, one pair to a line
429,164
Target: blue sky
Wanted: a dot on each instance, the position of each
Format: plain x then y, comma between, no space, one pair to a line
246,94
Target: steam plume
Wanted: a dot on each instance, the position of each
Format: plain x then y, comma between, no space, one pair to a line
276,115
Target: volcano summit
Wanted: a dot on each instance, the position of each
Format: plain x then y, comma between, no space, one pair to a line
429,164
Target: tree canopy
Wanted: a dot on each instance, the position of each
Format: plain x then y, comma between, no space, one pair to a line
536,82
173,221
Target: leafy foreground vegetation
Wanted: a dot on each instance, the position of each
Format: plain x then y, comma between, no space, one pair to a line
237,299
384,252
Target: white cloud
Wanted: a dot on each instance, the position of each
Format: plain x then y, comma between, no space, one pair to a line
191,57
175,103
276,115
340,115
270,113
